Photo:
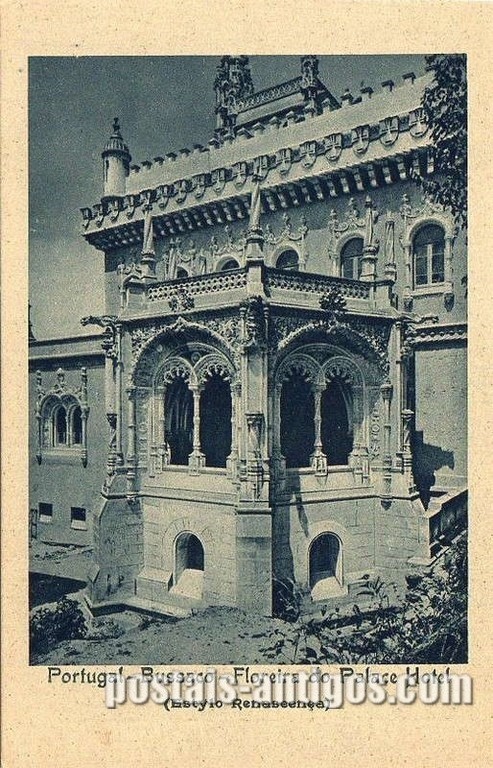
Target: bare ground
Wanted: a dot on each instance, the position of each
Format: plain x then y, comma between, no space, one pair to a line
213,636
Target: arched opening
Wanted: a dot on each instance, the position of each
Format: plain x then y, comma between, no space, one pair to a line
60,426
351,256
297,421
179,421
229,264
429,250
189,565
325,572
288,259
77,426
181,273
336,429
215,421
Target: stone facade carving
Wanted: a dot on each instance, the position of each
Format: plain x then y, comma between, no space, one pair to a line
73,403
361,334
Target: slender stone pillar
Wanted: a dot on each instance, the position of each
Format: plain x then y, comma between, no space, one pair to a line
118,395
386,392
278,460
448,296
407,458
318,459
196,459
164,451
83,415
131,446
232,460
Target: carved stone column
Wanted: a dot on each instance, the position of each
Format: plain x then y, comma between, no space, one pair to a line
164,451
390,265
370,248
196,460
448,296
131,445
318,459
232,460
254,461
407,458
278,460
386,392
118,393
83,453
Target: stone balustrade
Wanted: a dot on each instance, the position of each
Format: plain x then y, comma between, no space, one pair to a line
273,279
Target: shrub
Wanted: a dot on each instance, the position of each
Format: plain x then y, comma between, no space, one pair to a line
49,626
427,625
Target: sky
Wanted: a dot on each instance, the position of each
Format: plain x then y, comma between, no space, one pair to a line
164,104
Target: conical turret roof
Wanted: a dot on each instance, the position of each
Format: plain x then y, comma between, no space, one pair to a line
115,143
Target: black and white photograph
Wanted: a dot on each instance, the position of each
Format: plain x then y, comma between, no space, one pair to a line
248,359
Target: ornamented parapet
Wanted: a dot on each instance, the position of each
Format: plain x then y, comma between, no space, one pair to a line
200,285
306,283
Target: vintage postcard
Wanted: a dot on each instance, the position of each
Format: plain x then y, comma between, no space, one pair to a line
248,401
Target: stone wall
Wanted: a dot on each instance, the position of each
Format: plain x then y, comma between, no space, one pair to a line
60,478
440,442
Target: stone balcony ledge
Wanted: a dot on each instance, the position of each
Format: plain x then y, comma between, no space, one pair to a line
219,290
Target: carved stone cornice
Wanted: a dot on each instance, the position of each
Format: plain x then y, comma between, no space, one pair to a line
353,157
439,334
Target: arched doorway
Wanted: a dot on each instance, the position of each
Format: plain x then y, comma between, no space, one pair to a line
336,429
179,421
189,565
297,421
215,421
325,566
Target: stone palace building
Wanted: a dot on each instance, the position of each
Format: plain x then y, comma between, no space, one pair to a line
276,392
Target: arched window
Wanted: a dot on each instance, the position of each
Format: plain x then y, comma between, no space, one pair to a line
179,421
60,426
351,256
229,264
76,420
215,421
288,259
325,554
297,421
336,432
181,273
428,255
62,417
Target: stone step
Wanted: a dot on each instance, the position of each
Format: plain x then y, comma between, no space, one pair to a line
140,604
190,584
152,586
161,609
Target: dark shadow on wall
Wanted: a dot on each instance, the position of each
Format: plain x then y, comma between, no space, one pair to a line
428,459
48,589
287,597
